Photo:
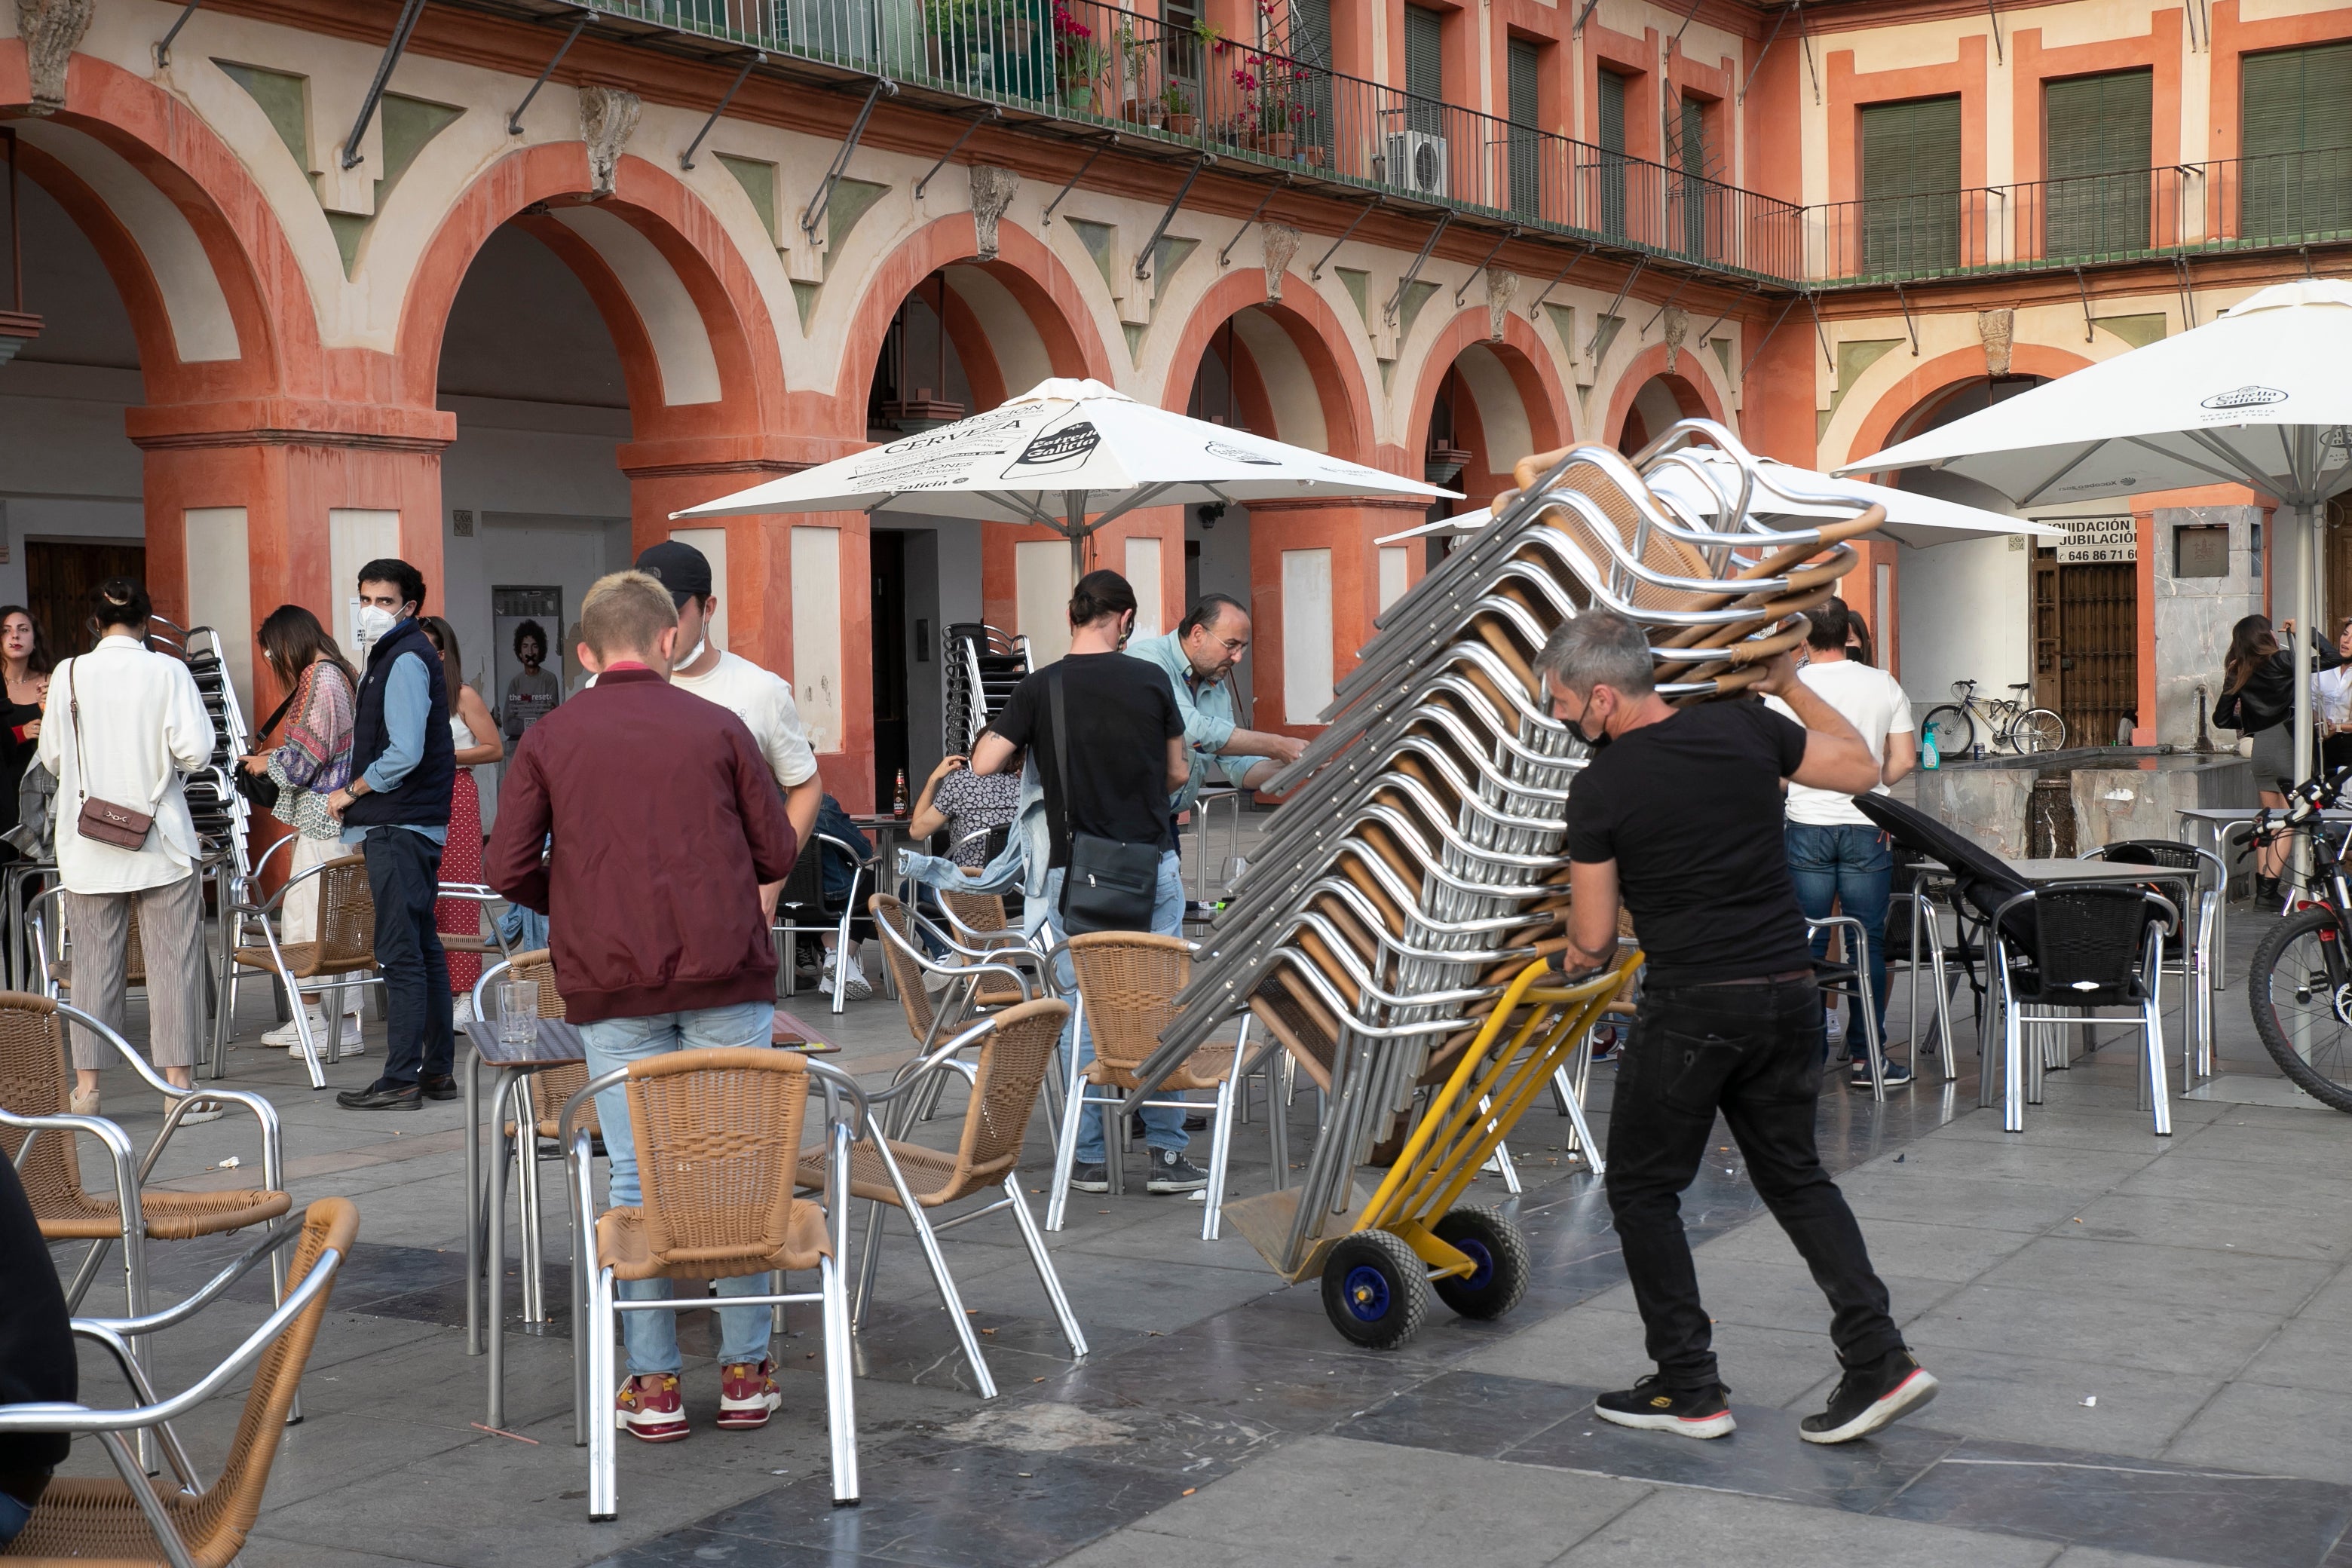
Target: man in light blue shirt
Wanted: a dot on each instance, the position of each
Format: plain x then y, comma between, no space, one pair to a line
1200,656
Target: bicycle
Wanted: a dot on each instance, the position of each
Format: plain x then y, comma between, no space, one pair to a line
1953,725
2299,987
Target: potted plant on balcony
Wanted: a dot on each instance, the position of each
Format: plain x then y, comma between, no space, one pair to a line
1079,58
1176,108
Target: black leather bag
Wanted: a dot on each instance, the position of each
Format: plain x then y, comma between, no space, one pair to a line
1110,885
260,788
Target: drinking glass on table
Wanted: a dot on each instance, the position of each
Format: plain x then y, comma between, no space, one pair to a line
517,1012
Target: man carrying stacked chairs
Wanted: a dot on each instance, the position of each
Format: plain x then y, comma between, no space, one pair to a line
1408,918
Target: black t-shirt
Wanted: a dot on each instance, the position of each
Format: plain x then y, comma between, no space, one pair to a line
1122,715
1690,809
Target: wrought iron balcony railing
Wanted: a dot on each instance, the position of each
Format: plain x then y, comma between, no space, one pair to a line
1093,65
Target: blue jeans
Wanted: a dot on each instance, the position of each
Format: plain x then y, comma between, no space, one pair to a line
1163,1125
652,1337
1850,865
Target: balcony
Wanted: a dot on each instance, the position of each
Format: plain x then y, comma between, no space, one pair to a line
2272,202
1075,69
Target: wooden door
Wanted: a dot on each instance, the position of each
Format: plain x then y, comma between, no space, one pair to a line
2098,650
2045,631
62,575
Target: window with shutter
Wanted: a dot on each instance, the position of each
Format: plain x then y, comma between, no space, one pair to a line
2295,170
1691,187
1527,147
1424,70
1610,169
2096,147
1911,185
1310,43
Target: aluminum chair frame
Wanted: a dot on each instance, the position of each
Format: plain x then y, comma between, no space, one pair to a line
916,1077
2022,1070
154,1415
597,1306
1857,947
233,924
949,1008
517,1101
2195,964
787,929
1921,905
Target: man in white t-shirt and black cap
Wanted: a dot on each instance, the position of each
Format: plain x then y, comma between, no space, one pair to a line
760,697
1837,855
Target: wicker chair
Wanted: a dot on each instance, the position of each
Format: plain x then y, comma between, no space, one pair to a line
51,957
538,1097
34,1090
345,946
122,1521
1127,983
984,980
1015,1046
718,1135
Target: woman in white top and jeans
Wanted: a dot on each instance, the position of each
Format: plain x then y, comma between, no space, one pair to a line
141,723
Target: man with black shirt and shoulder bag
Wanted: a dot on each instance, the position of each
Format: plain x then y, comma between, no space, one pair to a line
1105,736
1678,814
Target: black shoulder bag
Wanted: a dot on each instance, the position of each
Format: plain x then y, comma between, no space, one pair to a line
1109,885
260,788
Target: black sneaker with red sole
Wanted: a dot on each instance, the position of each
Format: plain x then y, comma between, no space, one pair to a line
1869,1397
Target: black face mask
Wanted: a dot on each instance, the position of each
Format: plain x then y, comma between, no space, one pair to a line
1592,742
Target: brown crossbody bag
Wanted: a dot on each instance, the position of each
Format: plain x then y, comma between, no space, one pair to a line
102,820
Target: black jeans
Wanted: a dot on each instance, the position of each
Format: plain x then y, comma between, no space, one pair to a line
404,879
1754,1052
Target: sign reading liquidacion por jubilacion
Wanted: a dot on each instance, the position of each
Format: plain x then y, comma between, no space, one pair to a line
2096,539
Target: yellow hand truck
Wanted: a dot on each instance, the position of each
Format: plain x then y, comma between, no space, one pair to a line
1384,1260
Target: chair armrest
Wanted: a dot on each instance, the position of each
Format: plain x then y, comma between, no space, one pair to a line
263,1111
940,1055
51,1417
278,1235
118,1147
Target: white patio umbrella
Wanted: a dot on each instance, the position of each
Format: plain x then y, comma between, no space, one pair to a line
1792,492
2258,397
1070,455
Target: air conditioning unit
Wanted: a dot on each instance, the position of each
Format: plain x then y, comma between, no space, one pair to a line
1417,162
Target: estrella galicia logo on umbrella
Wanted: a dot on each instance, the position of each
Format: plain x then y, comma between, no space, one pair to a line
1233,454
1057,451
2248,397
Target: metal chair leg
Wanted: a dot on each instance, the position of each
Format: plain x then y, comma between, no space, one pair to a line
1066,1157
604,1480
840,1397
1038,1260
1221,1144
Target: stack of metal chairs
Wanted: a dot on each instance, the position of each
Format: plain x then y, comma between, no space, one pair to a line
1419,862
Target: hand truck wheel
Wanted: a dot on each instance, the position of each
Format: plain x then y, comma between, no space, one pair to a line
1375,1289
1499,1248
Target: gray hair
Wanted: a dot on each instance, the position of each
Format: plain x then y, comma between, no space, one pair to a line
1598,648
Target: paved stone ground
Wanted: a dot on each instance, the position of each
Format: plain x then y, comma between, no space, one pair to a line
2137,1339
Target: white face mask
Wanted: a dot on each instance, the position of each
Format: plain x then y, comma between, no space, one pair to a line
371,623
690,655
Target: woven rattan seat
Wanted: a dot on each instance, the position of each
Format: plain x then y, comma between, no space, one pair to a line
1011,1068
35,1080
1130,980
718,1135
87,1520
346,939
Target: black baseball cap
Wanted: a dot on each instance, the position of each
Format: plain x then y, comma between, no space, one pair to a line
681,568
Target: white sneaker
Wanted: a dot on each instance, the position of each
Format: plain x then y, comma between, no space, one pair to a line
461,1009
284,1035
854,988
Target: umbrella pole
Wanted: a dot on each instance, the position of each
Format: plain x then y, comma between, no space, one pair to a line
2306,587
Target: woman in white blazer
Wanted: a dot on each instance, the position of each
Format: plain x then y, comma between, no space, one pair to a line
121,725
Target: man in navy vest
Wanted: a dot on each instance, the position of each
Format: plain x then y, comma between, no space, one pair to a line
396,811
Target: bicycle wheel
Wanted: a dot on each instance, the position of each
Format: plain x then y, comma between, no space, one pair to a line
2038,730
1950,728
2305,1016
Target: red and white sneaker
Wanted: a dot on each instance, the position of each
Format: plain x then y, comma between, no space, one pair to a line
648,1409
748,1395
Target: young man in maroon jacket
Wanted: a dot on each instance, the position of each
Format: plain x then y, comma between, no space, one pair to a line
664,822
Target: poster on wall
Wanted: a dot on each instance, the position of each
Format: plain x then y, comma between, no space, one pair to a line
2096,539
525,621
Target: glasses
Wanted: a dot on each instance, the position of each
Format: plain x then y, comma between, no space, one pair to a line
517,1012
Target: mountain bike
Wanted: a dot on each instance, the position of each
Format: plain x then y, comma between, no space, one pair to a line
2300,984
2014,726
